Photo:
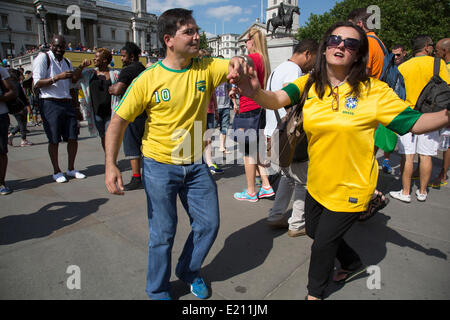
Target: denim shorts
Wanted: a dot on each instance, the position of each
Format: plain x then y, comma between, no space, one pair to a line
132,139
59,120
224,120
102,124
4,126
210,121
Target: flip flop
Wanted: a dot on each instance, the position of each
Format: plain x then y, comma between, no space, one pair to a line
437,184
349,274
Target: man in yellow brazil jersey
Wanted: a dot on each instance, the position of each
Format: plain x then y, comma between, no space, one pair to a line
175,94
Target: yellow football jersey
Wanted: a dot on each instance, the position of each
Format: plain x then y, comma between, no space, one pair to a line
417,72
343,171
176,103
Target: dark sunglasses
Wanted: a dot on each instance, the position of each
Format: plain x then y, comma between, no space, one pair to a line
397,54
349,43
248,39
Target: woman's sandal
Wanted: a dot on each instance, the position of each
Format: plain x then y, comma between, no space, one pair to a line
349,274
375,205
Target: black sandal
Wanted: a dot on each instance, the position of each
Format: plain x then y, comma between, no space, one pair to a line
375,205
349,274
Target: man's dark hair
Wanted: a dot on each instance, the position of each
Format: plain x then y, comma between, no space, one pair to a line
419,42
170,21
15,74
132,49
360,14
306,45
398,46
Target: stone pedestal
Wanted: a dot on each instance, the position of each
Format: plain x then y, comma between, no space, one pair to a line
280,48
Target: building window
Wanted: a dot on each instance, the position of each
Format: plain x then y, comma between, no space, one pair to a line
28,24
99,32
4,21
274,2
113,34
127,35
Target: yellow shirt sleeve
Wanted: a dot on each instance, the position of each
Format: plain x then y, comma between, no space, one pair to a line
136,98
295,89
389,105
220,67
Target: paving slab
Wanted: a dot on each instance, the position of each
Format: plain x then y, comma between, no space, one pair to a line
46,227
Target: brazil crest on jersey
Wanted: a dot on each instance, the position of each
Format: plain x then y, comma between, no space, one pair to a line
176,103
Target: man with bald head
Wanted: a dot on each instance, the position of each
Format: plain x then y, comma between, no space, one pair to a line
443,52
52,75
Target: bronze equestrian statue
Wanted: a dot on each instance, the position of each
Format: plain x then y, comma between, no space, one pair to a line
285,21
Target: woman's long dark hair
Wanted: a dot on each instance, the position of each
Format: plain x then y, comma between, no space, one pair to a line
358,73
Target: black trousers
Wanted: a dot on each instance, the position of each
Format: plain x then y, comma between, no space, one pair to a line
327,229
21,118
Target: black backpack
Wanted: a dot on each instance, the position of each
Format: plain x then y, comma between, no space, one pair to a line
436,94
390,74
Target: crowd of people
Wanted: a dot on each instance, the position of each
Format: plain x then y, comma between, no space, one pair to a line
155,113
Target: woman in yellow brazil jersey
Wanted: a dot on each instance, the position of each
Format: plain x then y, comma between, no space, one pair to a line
343,107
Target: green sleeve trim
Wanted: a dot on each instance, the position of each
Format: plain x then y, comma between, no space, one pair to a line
403,122
293,93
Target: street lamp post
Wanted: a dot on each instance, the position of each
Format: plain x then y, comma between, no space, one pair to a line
41,13
8,28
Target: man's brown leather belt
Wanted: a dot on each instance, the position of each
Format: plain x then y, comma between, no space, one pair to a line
58,100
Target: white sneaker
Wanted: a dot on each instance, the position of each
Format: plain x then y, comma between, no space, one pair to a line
59,177
76,174
400,196
421,196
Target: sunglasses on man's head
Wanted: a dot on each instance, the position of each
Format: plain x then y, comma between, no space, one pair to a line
349,43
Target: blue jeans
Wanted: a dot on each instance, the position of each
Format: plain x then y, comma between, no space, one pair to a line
197,190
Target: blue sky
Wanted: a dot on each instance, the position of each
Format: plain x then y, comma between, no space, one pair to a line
230,16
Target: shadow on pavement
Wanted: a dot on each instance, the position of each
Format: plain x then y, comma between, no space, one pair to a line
45,221
370,238
244,250
90,171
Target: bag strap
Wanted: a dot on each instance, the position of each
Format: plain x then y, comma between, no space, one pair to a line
305,92
381,44
277,114
48,61
437,66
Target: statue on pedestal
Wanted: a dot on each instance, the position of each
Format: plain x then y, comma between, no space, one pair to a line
283,19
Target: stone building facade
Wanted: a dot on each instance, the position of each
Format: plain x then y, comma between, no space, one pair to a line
225,45
25,24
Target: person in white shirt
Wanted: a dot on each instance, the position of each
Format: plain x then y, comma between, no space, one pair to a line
7,93
53,74
293,180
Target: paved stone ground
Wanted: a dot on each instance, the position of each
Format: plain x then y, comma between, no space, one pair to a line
46,227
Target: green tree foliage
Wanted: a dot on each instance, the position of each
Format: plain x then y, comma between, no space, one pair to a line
401,20
203,41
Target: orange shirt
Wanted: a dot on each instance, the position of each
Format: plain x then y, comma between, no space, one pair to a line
376,56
